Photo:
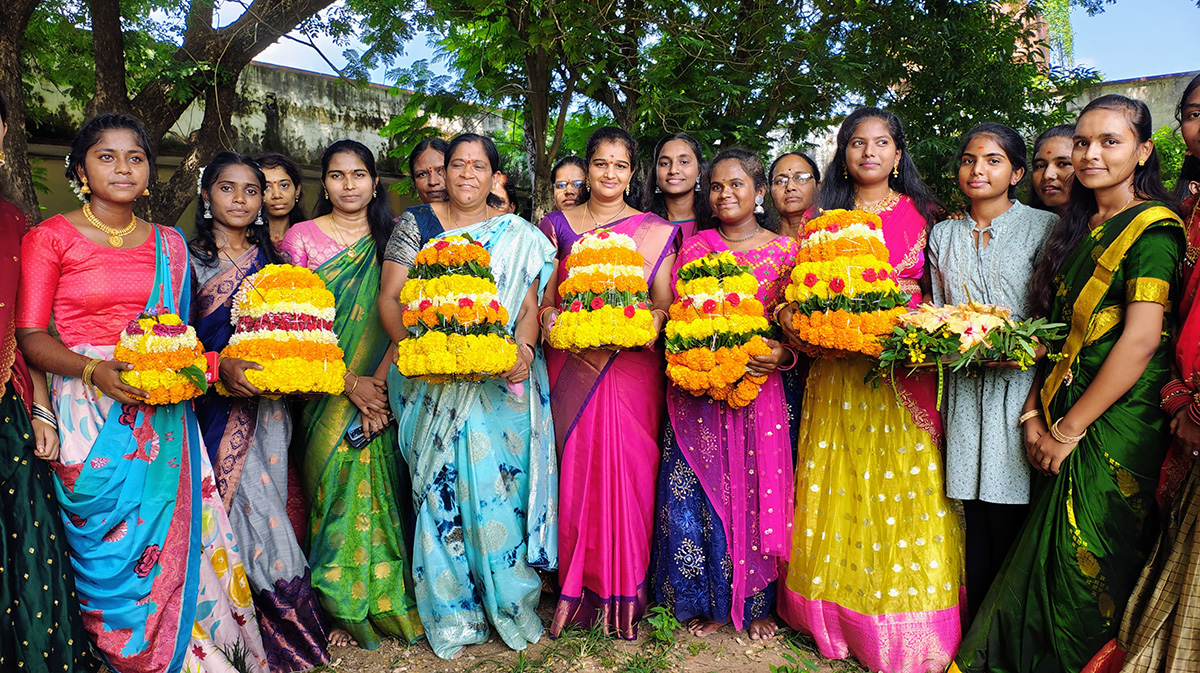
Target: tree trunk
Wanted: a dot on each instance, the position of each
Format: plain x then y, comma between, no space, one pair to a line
169,200
15,174
108,52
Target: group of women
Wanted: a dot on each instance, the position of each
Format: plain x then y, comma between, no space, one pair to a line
1005,529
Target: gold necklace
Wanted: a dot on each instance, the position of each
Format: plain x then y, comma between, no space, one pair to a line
721,231
336,228
886,203
115,236
597,223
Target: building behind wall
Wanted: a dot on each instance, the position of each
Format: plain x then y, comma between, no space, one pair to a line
278,109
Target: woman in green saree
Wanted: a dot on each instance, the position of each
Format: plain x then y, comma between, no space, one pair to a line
359,560
1092,423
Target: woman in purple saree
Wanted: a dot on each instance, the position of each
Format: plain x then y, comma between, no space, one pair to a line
608,409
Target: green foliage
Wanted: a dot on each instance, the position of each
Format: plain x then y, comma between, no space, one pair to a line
999,73
1171,150
762,75
798,661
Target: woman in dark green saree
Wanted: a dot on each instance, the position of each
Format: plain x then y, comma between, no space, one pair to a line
1093,427
360,562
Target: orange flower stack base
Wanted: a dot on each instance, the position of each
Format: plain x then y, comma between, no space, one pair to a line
283,320
167,358
843,286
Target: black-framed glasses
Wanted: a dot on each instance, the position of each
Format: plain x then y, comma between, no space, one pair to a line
800,179
562,184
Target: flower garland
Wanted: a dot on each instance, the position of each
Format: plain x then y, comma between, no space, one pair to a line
167,358
605,299
714,327
458,327
844,286
283,317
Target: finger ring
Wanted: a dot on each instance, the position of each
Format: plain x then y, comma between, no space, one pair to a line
1046,463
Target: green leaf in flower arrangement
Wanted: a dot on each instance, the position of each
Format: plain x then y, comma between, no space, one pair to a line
196,376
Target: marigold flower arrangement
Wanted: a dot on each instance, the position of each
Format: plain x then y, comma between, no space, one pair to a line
843,285
283,320
715,326
458,327
167,358
605,299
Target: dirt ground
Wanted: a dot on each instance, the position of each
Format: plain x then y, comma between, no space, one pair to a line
725,650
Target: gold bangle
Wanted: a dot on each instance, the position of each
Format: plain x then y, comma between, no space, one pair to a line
1064,439
89,369
353,387
1032,413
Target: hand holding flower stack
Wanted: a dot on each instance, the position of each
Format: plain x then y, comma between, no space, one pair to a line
167,358
283,318
605,299
714,328
458,327
843,285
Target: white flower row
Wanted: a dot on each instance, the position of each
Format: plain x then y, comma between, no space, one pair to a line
609,270
308,335
154,343
853,231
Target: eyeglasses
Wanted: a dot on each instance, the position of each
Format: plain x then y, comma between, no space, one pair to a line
800,178
562,184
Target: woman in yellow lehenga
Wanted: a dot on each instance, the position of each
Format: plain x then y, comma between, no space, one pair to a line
877,548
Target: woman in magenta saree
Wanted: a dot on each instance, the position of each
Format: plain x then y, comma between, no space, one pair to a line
724,508
608,409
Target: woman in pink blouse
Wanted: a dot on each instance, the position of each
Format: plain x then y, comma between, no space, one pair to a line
158,574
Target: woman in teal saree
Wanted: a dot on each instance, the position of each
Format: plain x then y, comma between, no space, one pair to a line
359,559
1111,272
481,453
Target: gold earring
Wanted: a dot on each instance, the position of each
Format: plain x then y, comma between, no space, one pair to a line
84,189
146,192
896,171
626,189
2,157
1142,161
845,173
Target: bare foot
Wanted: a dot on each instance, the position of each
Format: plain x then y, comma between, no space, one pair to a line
341,638
763,629
703,627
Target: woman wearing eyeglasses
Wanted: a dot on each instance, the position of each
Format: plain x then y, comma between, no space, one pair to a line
673,190
794,180
569,176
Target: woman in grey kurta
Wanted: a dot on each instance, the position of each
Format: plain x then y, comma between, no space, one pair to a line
988,256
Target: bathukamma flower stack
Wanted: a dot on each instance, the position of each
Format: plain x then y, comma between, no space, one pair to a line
283,320
167,358
605,299
458,327
714,327
843,286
